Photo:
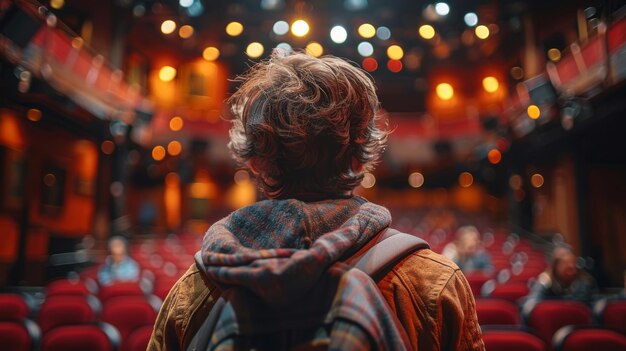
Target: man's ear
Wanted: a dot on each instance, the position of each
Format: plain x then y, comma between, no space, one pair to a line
357,166
252,165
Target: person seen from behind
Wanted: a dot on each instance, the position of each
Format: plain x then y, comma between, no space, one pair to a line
308,129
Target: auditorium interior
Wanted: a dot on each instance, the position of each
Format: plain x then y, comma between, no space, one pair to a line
508,119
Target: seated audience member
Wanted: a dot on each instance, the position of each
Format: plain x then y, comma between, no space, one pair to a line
564,279
118,266
466,251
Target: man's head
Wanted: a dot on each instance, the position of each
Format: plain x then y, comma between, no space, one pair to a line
308,127
468,240
118,248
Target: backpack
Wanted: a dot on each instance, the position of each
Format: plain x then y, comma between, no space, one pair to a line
344,311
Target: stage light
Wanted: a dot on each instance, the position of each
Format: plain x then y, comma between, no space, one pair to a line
255,49
158,153
368,180
533,111
365,49
383,33
554,55
168,27
176,123
299,28
444,91
482,32
394,66
442,8
314,49
395,52
174,148
211,53
338,34
427,31
234,29
466,179
366,30
494,156
471,19
370,64
490,84
167,73
416,180
280,28
185,31
536,180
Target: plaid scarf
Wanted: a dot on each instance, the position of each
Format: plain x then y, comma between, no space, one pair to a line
278,249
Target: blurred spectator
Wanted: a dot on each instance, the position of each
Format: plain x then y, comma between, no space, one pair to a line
118,266
564,279
467,252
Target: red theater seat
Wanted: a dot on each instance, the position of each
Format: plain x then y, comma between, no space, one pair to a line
547,316
129,313
572,338
476,281
163,286
512,340
70,287
19,336
120,289
13,307
611,312
57,311
138,340
510,291
497,312
101,337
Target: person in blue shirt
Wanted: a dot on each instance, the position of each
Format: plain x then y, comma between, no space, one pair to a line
467,252
118,266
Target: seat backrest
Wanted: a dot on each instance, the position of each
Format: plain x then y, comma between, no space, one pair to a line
138,339
13,307
547,316
120,289
101,337
19,336
68,287
59,311
572,338
497,312
128,313
512,340
510,291
611,313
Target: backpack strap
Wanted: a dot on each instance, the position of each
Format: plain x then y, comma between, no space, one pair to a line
385,250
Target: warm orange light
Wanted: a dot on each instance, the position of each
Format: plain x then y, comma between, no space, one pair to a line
185,31
300,28
174,148
416,179
33,114
395,52
427,31
57,4
490,84
533,111
107,147
234,29
167,73
536,180
368,180
168,27
554,55
211,53
176,123
444,91
494,156
255,49
367,30
158,153
314,49
482,32
466,179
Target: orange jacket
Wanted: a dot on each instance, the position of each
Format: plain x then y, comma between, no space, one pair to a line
428,293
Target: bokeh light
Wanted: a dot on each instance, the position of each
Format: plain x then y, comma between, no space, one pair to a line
314,49
158,153
427,31
300,28
368,180
536,180
33,114
167,73
168,27
554,55
383,33
394,66
533,111
338,34
280,28
234,29
494,156
395,52
444,91
211,53
442,8
466,179
471,19
416,179
490,84
176,123
366,30
365,49
255,49
174,148
482,32
370,64
185,31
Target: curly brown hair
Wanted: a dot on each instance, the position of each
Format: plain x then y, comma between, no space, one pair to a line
302,121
